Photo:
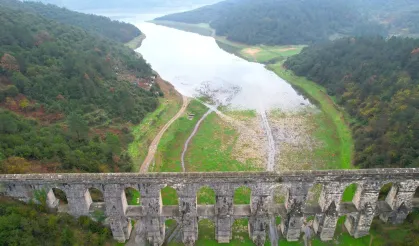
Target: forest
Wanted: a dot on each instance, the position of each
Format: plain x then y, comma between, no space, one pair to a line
275,22
285,22
79,89
28,225
377,82
115,30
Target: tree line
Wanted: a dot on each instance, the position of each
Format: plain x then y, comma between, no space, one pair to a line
286,22
377,82
115,30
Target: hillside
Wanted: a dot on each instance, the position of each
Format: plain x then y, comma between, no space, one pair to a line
22,224
126,4
73,95
115,30
377,81
275,22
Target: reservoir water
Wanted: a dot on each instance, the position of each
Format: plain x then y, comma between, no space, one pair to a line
196,66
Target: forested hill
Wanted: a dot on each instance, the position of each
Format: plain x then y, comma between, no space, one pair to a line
377,81
73,95
127,4
281,22
115,30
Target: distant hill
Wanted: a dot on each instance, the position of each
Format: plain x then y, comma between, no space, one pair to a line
115,30
126,4
377,81
67,95
281,22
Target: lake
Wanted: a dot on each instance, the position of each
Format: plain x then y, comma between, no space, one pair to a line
196,66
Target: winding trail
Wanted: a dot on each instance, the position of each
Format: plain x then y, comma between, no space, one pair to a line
195,130
153,146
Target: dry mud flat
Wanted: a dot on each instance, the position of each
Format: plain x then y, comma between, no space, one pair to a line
294,140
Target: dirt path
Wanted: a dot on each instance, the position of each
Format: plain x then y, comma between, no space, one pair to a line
153,146
195,130
271,142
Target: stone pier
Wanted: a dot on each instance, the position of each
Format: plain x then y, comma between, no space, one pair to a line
151,214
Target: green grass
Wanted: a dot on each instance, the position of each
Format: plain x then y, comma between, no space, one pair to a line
202,28
212,146
171,144
145,132
133,196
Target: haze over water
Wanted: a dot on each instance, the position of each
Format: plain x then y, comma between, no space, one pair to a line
194,63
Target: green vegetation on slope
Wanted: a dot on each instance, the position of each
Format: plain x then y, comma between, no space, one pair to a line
281,22
51,148
22,224
78,88
115,30
376,81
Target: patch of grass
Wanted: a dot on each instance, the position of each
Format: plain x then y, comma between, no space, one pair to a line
136,42
169,196
242,195
211,148
171,144
203,29
145,132
133,196
206,195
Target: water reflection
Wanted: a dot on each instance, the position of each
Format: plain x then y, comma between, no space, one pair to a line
192,62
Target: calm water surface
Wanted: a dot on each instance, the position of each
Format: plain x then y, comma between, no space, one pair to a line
195,65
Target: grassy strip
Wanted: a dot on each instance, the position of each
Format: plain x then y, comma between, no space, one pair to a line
171,144
136,42
145,132
211,148
202,29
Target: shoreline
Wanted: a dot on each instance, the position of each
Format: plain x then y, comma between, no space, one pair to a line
273,57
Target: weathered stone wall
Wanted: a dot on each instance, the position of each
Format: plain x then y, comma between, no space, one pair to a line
261,211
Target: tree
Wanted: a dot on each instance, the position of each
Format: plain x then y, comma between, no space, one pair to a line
77,126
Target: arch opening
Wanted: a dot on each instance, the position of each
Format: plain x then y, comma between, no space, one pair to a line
313,194
416,195
205,195
349,193
96,195
133,196
173,234
241,232
169,196
242,195
206,232
279,194
60,195
385,189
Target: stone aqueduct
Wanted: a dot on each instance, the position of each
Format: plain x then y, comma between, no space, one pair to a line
261,213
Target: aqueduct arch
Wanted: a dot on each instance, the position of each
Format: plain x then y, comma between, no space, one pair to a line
261,212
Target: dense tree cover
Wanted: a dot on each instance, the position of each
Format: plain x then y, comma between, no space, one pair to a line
145,5
67,69
281,22
75,86
115,30
31,225
377,81
23,140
